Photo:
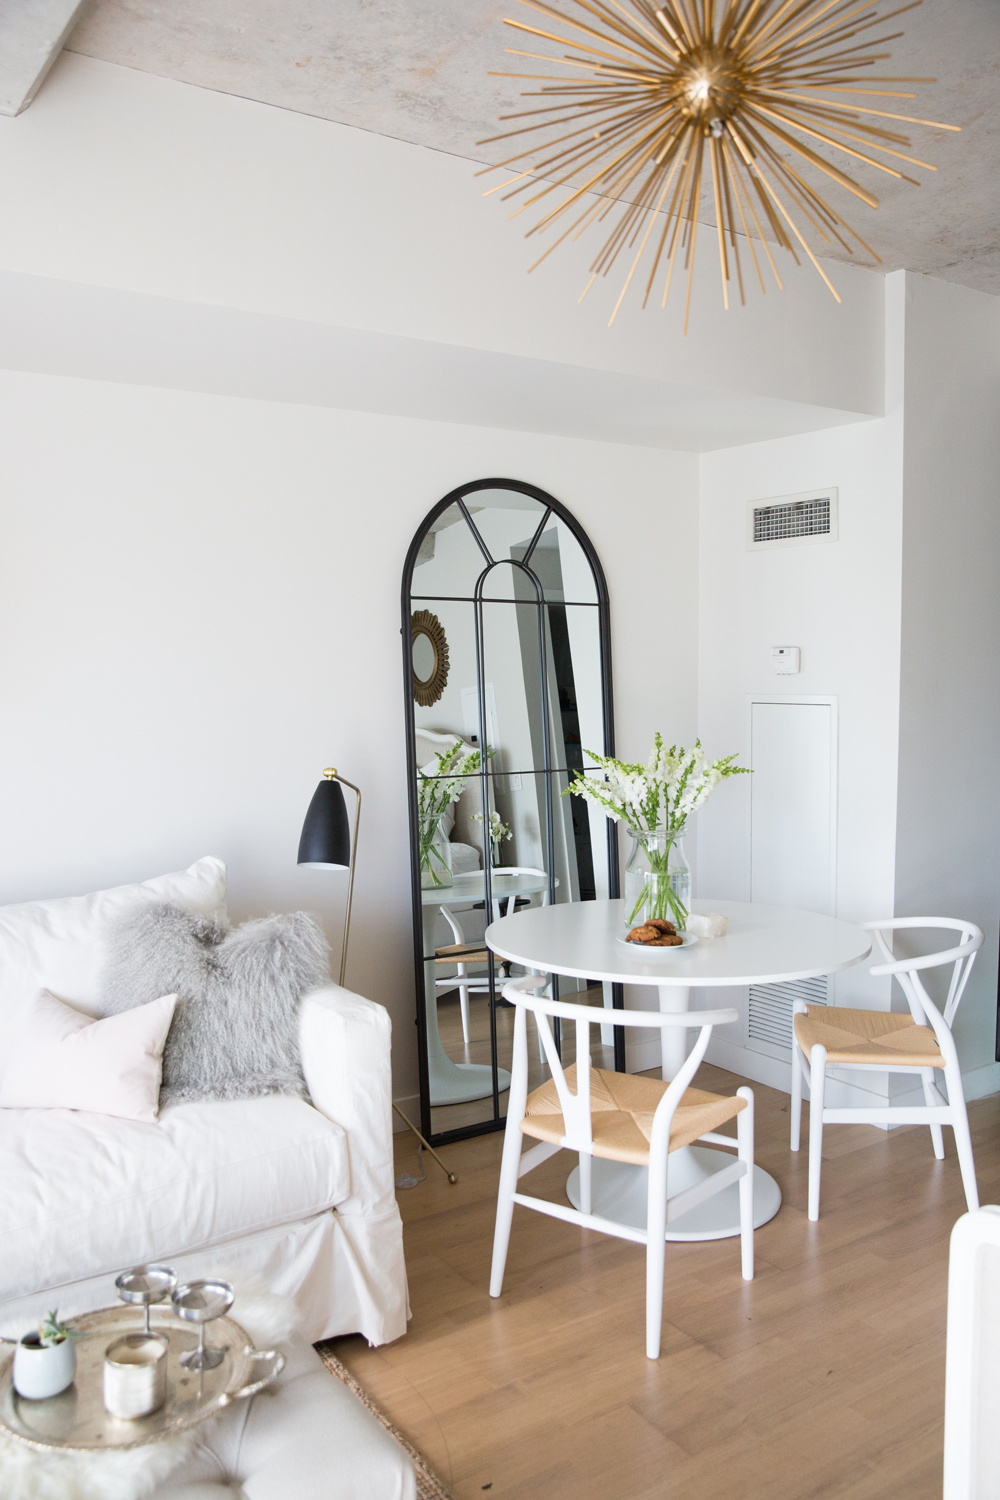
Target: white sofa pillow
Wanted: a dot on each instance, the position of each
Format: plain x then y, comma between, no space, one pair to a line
59,945
61,1059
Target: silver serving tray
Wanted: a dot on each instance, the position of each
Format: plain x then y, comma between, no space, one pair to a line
76,1420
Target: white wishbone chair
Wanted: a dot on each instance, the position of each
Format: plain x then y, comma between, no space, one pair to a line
461,954
624,1117
918,1043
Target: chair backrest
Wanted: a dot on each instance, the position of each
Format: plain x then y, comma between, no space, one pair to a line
576,1106
499,899
908,970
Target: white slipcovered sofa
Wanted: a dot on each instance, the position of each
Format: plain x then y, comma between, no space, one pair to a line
301,1193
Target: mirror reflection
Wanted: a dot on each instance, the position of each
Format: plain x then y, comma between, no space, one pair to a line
519,614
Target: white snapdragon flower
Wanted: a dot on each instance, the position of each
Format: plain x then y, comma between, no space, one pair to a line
659,796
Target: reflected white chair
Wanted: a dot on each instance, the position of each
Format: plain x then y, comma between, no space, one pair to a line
918,1043
622,1117
461,954
504,907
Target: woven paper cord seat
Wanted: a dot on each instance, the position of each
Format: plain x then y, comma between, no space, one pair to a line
460,953
874,1037
622,1106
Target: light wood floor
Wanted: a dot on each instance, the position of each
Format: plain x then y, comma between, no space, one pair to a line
824,1377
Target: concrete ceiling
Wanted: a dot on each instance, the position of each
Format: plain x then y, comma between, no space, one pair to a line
418,70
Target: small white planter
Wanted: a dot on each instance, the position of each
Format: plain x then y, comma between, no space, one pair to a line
42,1370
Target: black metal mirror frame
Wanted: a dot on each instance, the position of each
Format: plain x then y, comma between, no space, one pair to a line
552,507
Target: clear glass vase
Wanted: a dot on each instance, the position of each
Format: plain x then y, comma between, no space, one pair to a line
435,856
657,878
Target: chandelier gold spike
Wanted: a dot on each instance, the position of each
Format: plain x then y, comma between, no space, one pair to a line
742,95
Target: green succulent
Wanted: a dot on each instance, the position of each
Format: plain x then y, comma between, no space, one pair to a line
52,1332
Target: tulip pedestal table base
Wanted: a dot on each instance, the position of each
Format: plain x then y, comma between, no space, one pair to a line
452,1082
618,1189
764,945
618,1193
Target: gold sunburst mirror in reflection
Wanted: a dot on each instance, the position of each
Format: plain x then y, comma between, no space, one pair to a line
735,94
429,648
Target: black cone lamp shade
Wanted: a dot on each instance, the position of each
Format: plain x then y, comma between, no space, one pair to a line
326,832
326,842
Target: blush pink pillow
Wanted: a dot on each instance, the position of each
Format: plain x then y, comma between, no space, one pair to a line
62,1059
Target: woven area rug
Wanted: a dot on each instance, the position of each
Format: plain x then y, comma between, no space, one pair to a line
429,1486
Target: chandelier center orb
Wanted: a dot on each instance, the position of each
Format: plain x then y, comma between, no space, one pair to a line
709,88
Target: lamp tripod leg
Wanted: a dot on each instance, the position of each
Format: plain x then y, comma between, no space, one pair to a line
450,1175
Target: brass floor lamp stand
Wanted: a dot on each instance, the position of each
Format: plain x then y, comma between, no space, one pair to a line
450,1175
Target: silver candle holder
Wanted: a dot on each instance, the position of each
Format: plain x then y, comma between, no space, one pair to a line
144,1285
201,1302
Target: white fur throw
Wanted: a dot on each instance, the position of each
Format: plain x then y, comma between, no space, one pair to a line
28,1474
235,1029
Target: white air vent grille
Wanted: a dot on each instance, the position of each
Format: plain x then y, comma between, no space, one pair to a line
793,519
771,1009
772,523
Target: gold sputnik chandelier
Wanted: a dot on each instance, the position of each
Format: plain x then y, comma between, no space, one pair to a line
737,93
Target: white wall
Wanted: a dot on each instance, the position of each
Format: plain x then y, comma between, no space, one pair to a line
199,610
948,842
839,602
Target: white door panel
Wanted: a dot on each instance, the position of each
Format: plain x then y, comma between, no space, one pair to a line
792,801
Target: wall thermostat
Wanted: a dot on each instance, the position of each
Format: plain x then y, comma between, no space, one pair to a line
784,659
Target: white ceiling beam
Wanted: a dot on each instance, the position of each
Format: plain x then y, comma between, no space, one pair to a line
32,33
100,333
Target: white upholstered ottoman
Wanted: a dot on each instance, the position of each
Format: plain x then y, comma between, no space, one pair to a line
306,1437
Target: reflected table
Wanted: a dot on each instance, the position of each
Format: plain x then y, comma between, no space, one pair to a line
764,945
451,1082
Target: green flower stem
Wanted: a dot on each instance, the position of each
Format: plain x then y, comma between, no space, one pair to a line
430,852
657,895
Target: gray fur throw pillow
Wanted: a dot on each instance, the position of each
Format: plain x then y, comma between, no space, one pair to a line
235,1029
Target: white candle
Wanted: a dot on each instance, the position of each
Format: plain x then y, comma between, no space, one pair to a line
135,1375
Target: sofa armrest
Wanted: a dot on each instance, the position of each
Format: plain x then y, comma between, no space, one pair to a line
345,1042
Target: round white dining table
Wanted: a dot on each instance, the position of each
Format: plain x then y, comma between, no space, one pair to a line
451,1082
763,945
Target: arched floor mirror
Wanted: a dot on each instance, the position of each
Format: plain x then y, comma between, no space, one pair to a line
507,661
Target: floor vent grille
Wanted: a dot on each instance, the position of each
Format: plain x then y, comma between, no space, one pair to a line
793,518
771,1008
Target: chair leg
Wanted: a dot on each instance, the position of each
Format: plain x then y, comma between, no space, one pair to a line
817,1090
963,1145
586,1163
541,1048
796,1106
744,1136
463,1000
937,1134
656,1229
505,1204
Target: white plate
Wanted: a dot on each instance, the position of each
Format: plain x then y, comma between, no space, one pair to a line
687,940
